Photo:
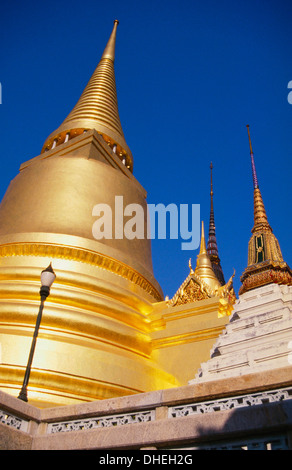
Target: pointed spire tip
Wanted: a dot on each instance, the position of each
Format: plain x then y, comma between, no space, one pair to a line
203,249
109,52
254,174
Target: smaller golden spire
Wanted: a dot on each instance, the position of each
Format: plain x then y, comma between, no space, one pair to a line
265,260
204,266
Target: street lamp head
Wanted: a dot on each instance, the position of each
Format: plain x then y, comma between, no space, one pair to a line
47,278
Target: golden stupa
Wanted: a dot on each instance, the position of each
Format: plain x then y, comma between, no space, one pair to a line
106,330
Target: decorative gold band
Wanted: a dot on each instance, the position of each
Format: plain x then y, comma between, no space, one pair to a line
81,255
59,384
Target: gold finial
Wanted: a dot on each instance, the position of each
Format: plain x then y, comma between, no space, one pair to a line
109,51
203,249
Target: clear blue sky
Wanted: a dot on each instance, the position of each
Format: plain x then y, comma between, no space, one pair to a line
190,75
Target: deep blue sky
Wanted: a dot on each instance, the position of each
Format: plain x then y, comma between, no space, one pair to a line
190,75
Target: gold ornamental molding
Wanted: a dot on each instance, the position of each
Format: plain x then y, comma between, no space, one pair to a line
83,256
193,337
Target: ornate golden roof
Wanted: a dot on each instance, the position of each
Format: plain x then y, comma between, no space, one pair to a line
202,282
97,109
265,260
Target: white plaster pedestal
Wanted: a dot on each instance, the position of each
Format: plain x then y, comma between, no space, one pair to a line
257,338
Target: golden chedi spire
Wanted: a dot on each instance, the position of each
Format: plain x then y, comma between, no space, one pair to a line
265,260
97,108
94,340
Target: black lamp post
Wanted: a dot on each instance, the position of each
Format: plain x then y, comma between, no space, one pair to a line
47,278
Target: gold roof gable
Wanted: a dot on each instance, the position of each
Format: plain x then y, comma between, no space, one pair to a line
202,282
